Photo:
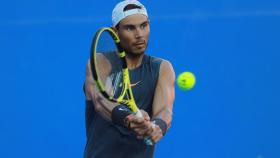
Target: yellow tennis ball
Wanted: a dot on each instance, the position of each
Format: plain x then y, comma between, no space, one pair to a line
186,80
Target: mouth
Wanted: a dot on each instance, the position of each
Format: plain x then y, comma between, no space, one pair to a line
139,43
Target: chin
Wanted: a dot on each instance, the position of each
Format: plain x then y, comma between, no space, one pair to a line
135,53
140,51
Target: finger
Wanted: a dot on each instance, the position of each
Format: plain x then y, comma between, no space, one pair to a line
129,117
156,134
145,115
150,128
141,131
149,131
135,125
146,129
146,125
158,138
135,120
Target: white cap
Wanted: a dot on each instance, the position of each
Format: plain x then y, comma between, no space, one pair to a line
118,14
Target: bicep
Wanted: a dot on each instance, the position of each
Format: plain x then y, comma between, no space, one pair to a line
90,85
101,105
164,93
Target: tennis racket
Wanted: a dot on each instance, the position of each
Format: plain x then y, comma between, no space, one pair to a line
110,72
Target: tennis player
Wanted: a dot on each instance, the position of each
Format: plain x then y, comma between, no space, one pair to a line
112,130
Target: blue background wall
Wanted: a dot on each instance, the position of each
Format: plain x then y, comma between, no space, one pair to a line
231,45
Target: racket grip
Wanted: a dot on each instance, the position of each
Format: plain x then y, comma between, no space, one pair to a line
146,139
138,114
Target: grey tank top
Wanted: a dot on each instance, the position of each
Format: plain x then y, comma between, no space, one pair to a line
105,139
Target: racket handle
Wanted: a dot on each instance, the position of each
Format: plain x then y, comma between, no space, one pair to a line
147,140
138,114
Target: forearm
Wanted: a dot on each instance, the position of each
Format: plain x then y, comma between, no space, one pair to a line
165,114
163,100
109,110
114,112
102,108
101,105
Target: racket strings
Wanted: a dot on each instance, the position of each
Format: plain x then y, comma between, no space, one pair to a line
110,70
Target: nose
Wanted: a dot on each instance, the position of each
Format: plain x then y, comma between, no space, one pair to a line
138,32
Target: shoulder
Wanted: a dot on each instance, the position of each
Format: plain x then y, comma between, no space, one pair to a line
153,62
164,64
166,70
165,67
153,59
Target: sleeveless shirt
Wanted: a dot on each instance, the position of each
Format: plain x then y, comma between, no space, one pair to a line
107,140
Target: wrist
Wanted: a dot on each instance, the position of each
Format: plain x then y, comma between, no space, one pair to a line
161,123
119,114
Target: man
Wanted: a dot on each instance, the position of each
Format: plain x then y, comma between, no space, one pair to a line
114,133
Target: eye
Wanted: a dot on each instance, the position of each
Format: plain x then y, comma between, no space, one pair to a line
143,26
129,28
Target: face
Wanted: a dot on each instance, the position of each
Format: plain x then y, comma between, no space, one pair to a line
134,32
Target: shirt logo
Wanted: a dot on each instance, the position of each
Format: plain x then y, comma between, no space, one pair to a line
131,84
134,84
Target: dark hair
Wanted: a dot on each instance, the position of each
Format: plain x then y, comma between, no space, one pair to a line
129,7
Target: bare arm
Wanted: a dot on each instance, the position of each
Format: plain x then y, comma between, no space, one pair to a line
162,105
163,98
164,94
101,105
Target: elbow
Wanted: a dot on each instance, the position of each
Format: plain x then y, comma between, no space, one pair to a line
169,122
168,125
97,107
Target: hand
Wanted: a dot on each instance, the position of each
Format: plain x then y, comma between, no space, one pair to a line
141,126
155,135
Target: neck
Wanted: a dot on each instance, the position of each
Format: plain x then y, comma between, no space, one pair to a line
134,61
